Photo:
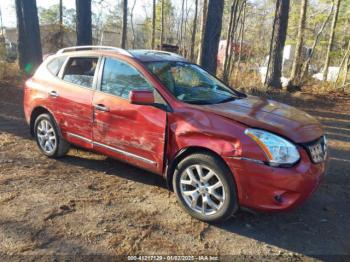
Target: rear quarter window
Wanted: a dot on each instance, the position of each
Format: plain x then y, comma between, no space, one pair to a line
55,65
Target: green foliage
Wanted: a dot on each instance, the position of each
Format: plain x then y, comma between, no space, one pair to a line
49,16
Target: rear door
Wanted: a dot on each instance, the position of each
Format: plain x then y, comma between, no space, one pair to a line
134,133
74,98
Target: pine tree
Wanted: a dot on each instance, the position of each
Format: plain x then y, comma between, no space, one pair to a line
29,42
277,44
84,28
212,33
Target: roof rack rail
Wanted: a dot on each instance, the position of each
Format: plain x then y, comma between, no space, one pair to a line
93,47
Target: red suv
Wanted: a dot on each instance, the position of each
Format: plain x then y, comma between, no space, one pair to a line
218,149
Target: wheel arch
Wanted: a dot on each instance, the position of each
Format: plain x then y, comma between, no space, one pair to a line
183,153
37,111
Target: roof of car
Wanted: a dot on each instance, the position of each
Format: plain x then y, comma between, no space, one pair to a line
142,55
156,55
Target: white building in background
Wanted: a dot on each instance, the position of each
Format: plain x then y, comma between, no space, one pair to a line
288,57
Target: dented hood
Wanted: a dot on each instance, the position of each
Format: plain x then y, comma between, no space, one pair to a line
270,115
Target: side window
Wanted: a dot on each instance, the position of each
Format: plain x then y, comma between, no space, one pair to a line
55,65
81,71
120,78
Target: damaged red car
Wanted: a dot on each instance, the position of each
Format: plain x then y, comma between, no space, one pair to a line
218,148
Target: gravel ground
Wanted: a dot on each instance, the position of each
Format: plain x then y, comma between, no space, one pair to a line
88,204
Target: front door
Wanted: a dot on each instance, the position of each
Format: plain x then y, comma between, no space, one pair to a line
134,133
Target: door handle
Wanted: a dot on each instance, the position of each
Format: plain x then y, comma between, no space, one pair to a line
101,107
53,93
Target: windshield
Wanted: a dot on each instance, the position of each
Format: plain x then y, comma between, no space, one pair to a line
190,83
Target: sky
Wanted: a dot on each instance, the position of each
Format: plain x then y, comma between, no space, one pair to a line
9,16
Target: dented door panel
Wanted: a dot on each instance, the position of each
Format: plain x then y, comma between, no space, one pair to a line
134,133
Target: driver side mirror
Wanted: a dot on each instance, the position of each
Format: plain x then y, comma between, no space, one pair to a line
141,97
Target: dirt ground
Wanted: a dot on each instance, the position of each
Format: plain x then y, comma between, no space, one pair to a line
87,204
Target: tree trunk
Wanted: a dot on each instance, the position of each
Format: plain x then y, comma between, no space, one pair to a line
278,42
61,22
203,22
181,25
29,42
1,24
213,25
230,31
84,28
242,39
331,40
154,25
308,60
344,61
162,26
346,72
60,7
132,24
125,24
194,31
232,54
297,62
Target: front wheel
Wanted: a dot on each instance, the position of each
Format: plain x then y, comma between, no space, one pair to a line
205,187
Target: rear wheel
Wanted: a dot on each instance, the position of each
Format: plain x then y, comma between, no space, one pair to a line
48,138
205,187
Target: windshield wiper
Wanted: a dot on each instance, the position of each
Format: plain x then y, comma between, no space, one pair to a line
232,98
198,102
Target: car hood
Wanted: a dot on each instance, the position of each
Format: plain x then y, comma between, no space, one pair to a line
270,115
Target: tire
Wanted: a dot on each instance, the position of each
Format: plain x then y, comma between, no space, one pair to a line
220,203
46,133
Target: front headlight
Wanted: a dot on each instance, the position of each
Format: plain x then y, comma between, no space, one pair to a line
278,150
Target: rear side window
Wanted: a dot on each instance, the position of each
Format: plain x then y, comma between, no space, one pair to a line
81,71
120,78
55,65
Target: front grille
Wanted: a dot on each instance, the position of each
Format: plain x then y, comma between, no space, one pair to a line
317,150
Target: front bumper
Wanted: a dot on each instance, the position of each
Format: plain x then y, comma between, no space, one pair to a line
267,188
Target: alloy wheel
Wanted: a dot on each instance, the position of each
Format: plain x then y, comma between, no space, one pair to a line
202,190
46,136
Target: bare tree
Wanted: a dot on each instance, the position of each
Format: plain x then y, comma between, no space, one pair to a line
162,26
1,24
331,39
194,31
29,42
212,33
203,22
230,32
241,38
84,27
154,24
296,68
181,24
277,43
125,24
319,33
344,63
132,24
230,60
